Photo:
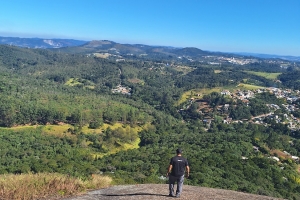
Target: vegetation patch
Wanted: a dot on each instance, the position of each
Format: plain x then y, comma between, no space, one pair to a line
271,76
249,87
136,80
47,185
67,130
24,127
73,82
102,55
63,130
57,130
117,148
111,126
80,82
199,93
279,153
184,69
85,129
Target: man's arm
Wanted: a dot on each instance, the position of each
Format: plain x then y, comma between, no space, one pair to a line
187,171
169,169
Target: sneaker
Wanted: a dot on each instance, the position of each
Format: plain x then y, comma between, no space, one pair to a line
171,195
177,195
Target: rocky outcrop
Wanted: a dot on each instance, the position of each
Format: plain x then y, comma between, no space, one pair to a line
159,191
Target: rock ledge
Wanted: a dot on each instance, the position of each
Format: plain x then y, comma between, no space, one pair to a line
160,191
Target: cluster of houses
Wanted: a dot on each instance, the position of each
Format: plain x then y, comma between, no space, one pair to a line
218,60
121,89
240,94
233,60
285,156
238,61
289,95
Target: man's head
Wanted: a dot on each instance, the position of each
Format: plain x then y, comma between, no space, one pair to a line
179,151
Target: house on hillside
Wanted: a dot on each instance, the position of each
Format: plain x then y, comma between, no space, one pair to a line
275,158
255,148
295,157
122,90
225,92
226,107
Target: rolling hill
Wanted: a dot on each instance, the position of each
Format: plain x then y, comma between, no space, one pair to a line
40,42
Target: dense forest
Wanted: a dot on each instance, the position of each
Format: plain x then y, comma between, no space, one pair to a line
40,89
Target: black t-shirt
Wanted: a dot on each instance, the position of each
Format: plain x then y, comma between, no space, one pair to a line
179,164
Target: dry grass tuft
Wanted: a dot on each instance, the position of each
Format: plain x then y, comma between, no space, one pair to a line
47,185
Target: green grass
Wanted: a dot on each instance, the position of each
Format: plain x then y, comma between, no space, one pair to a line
77,82
87,130
203,91
136,80
122,147
271,76
24,127
73,82
249,87
184,69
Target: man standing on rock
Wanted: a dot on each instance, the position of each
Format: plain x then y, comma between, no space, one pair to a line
177,167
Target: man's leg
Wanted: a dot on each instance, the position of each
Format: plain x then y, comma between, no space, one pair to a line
172,180
179,185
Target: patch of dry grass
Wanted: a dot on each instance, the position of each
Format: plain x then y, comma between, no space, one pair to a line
217,71
102,55
47,185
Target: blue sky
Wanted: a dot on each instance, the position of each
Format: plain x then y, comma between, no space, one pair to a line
256,26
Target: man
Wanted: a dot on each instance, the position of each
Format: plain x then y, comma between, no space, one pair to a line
177,167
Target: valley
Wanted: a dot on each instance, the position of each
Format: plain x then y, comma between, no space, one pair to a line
121,110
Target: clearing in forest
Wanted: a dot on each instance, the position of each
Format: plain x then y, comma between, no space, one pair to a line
184,69
63,130
102,55
271,76
80,82
244,86
136,80
217,71
199,93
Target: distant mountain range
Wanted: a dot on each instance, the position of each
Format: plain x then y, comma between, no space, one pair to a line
81,46
259,55
40,43
105,46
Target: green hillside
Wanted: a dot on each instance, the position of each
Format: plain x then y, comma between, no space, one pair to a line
80,114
